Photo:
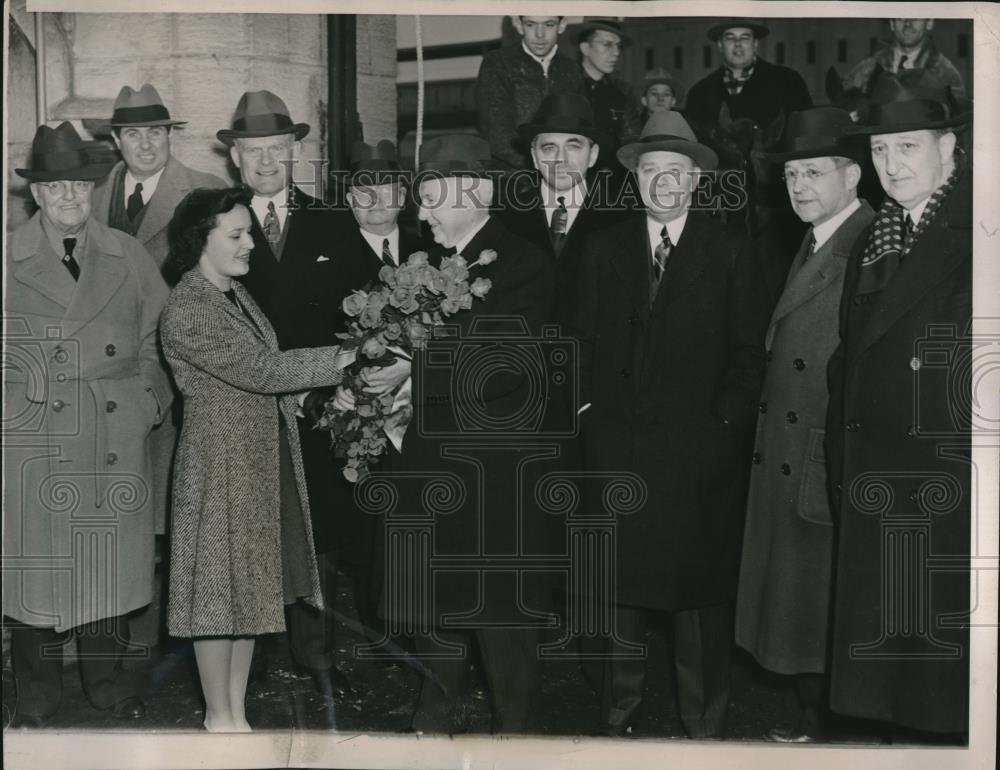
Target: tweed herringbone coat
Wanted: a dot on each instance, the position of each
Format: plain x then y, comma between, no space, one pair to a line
225,559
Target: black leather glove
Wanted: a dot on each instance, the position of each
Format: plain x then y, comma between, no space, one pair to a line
314,404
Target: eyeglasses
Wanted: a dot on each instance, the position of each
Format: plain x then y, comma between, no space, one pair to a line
60,186
808,176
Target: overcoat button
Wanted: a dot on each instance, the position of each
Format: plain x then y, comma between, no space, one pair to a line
911,430
109,350
624,374
762,407
854,427
112,458
914,364
786,469
110,406
60,377
756,458
792,417
57,405
799,364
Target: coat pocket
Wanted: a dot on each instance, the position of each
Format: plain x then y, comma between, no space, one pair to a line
814,503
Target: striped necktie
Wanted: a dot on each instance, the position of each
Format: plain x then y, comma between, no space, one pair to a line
661,254
272,227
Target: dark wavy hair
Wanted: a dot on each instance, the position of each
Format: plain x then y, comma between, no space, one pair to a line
194,218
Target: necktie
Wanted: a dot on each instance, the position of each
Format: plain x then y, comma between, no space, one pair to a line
71,264
387,253
134,204
272,228
908,228
812,245
902,62
660,256
557,228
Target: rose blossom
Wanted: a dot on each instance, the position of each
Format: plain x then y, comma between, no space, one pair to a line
354,303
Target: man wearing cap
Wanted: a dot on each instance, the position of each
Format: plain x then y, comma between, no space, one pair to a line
898,431
299,275
83,387
141,192
911,47
616,109
458,426
749,85
513,80
784,588
671,321
559,214
659,91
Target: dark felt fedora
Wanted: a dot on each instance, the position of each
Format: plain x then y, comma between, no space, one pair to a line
375,164
141,108
261,113
716,31
911,100
816,133
561,113
592,23
59,153
669,132
455,155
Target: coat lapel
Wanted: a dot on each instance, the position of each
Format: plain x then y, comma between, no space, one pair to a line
160,209
38,266
686,262
938,252
630,265
102,272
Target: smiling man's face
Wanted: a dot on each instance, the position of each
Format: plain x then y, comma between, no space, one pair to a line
264,162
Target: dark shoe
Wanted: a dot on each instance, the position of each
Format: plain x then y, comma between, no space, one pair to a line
791,735
129,708
30,722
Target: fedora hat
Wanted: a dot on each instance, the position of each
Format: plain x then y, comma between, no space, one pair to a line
375,164
658,76
593,23
911,100
261,113
669,132
455,155
716,31
816,133
59,153
141,108
561,113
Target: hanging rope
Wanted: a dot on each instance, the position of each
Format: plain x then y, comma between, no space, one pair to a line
420,93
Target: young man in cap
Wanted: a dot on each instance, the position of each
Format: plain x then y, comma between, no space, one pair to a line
671,321
82,303
467,401
141,192
138,197
784,588
911,47
299,276
513,81
600,41
898,432
749,85
659,91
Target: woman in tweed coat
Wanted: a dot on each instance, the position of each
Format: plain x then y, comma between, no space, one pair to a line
241,543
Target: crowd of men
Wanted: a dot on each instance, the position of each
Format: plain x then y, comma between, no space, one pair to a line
780,459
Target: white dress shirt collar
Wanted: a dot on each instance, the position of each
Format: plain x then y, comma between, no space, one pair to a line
573,200
148,185
822,233
674,229
918,211
546,60
280,199
375,241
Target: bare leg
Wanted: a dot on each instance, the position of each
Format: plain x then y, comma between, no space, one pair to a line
239,672
214,658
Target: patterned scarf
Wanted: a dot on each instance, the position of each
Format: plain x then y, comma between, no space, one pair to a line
886,247
734,83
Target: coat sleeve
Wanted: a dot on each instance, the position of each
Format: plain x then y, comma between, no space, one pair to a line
746,324
153,293
495,97
218,345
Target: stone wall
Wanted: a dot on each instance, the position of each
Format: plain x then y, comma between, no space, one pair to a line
200,64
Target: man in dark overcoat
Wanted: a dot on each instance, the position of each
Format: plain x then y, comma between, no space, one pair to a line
458,472
299,276
749,85
784,587
898,427
671,322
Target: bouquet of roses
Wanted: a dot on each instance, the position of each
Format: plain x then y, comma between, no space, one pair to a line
393,318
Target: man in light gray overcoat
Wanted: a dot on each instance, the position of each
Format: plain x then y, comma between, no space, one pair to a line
784,588
83,388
